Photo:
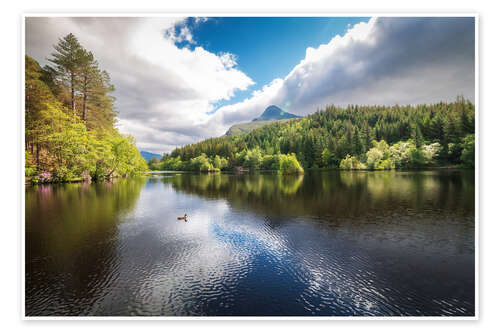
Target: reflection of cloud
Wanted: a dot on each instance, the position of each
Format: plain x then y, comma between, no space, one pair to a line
210,253
206,265
195,259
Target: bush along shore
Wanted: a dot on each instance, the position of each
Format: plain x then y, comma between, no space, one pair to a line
407,155
251,161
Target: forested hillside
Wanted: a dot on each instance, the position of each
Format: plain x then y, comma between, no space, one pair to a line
352,137
70,119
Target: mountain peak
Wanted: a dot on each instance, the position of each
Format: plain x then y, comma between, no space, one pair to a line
273,112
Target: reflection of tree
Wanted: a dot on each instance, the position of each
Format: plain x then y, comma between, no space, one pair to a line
335,194
61,223
289,184
452,190
255,189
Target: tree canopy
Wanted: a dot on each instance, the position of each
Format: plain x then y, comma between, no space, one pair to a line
372,137
70,118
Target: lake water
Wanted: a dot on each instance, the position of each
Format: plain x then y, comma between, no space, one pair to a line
325,243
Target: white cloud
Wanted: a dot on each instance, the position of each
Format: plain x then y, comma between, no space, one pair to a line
384,61
166,94
163,92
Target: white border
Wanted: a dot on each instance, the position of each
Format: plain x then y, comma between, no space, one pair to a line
266,13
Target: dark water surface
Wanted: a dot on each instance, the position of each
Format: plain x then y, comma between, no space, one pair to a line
325,243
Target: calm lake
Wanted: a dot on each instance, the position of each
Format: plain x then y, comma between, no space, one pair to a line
329,243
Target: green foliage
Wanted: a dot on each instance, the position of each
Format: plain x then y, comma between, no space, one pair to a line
468,151
378,157
174,163
65,138
28,171
326,158
324,138
68,58
271,162
126,160
351,163
432,150
253,158
289,165
417,158
220,163
70,120
401,155
407,155
417,136
154,164
201,163
73,150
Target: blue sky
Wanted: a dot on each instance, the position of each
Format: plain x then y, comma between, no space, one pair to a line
180,80
265,47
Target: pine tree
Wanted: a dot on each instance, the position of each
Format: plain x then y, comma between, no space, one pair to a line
37,95
102,102
417,136
88,78
326,157
357,146
68,58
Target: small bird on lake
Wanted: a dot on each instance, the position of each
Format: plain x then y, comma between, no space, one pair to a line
183,217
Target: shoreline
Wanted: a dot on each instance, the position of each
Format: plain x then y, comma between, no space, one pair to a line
453,167
150,173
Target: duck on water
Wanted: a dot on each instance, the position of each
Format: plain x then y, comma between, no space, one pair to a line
182,217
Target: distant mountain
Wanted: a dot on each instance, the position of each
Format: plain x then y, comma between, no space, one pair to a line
275,113
149,156
271,114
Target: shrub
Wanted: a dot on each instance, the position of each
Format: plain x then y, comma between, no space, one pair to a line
45,177
220,162
290,165
201,163
253,159
373,158
351,163
270,162
468,151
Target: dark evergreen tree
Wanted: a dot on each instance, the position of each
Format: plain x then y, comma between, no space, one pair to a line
68,58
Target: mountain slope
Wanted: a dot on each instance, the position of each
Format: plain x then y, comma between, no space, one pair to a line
271,114
149,156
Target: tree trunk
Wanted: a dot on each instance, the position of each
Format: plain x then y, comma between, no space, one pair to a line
73,93
84,115
37,156
111,172
85,93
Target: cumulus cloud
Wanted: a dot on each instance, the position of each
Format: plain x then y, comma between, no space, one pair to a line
384,61
166,94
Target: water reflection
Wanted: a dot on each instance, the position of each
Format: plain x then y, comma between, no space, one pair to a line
323,243
336,194
70,242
